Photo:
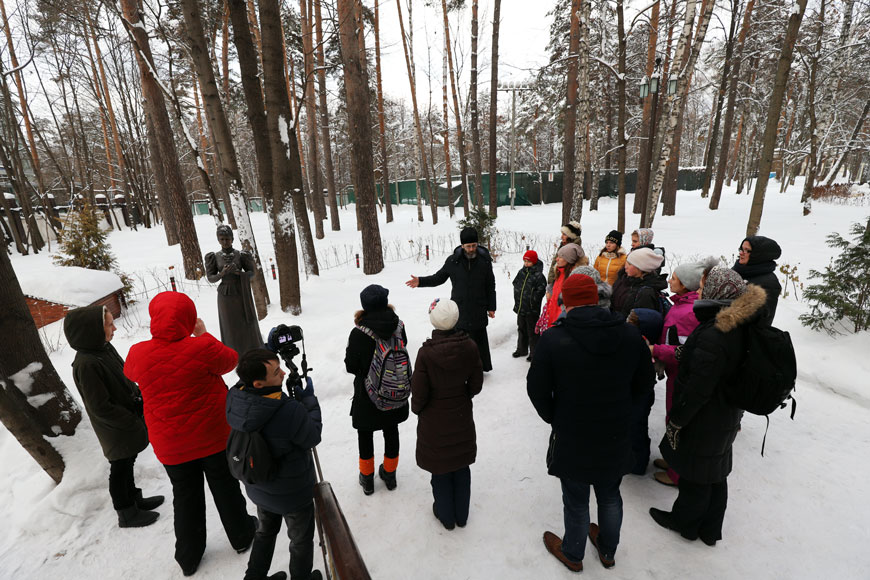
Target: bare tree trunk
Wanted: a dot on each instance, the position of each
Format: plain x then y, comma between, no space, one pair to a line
620,129
850,146
314,178
476,162
710,155
460,136
34,403
569,117
202,155
643,160
768,141
224,141
722,167
352,37
581,191
446,132
33,229
493,112
807,195
286,177
166,166
325,140
225,51
382,132
433,201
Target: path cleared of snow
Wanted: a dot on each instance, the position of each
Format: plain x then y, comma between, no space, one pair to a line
798,512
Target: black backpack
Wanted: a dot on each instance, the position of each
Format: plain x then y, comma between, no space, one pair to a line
249,457
766,377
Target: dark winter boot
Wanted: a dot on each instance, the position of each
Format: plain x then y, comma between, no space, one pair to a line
368,483
518,354
277,576
148,503
389,477
133,517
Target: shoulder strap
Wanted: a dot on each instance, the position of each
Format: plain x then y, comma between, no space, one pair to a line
367,331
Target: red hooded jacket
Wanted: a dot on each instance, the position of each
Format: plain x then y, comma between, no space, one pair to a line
180,379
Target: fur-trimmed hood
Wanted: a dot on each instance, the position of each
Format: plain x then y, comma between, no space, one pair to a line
730,314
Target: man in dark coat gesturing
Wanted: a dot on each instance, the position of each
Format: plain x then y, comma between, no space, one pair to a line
586,371
469,269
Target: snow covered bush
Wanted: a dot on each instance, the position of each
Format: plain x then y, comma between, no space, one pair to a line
843,293
83,243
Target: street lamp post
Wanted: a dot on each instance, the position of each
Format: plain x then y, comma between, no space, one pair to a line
650,87
513,88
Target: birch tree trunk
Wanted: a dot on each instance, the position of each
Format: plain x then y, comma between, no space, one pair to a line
446,131
768,141
352,39
166,167
224,141
675,104
493,112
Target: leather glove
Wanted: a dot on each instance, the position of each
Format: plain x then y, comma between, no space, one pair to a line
672,432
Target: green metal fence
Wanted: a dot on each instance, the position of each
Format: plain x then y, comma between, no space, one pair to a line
532,187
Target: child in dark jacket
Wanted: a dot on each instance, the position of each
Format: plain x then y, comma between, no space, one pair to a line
114,405
530,285
291,428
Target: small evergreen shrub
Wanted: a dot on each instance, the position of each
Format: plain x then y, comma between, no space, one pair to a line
843,294
484,223
83,243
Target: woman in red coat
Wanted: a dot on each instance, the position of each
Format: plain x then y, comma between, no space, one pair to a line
179,373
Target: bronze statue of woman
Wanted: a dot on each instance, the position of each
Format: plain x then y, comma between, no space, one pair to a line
240,329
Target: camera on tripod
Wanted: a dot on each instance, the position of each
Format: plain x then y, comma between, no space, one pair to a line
282,341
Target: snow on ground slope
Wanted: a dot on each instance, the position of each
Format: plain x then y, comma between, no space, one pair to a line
798,512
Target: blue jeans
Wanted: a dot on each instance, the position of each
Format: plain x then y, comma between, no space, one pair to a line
575,499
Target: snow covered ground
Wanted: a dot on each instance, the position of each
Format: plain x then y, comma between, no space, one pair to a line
801,511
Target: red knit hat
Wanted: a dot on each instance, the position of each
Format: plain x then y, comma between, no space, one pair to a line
531,256
579,290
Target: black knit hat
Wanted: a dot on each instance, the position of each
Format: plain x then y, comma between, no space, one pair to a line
468,236
373,297
614,236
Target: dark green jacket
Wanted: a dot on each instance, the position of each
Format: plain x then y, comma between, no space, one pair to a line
109,397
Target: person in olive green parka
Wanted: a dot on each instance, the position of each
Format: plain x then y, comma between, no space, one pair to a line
114,406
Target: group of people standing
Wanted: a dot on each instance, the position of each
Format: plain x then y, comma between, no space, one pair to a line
592,377
591,349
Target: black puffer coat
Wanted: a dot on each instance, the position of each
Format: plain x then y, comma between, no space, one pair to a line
358,359
529,289
291,428
448,373
586,372
761,271
473,286
113,402
708,364
630,292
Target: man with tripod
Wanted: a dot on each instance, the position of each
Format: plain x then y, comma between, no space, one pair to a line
291,427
